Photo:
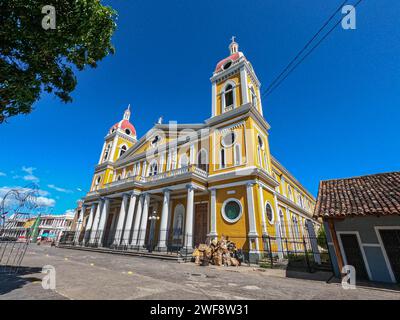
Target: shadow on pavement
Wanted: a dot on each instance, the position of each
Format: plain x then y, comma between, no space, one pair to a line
9,280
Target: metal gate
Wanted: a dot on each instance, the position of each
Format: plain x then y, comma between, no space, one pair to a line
11,255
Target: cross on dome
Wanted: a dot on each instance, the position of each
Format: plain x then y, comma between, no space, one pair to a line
127,113
234,46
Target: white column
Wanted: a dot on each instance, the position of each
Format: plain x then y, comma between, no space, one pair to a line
96,220
103,219
213,215
262,206
121,219
138,217
243,85
143,224
277,228
189,218
129,219
214,99
90,219
162,244
252,218
79,223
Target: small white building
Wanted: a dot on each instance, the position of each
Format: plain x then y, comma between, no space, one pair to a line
50,227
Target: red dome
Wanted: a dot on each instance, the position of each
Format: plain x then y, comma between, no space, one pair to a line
233,57
124,125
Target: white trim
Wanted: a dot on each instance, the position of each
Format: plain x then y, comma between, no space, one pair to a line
233,184
385,256
232,221
338,233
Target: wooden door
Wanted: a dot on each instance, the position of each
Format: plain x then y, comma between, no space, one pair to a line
391,242
200,223
353,255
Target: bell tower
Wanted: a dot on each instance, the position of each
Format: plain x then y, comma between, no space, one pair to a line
234,83
118,140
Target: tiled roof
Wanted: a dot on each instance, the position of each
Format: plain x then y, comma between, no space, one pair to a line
377,194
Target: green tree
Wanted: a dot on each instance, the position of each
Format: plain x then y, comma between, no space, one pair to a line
33,59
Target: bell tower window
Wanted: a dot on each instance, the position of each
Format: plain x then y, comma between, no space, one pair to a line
123,150
107,152
228,96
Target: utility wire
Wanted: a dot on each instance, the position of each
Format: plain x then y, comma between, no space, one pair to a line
304,48
277,81
309,52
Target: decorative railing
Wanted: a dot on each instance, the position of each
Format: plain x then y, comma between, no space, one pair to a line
161,176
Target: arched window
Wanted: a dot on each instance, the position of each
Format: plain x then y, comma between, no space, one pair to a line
153,169
107,152
202,161
237,155
269,213
290,194
228,97
296,227
260,150
122,150
183,161
222,158
97,182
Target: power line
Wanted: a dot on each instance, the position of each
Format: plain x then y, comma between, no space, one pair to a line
304,48
277,81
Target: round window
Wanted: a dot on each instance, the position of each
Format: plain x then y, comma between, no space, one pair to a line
269,213
227,65
231,210
228,139
128,132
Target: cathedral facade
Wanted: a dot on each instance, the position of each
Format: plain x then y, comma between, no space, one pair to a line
183,184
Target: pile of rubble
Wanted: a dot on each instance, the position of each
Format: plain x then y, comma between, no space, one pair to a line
222,252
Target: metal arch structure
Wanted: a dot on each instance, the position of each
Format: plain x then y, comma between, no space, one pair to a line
16,203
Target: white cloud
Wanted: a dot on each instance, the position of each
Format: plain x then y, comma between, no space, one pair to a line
52,186
70,212
2,174
79,189
45,202
28,170
30,176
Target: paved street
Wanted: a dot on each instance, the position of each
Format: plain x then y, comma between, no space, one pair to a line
89,275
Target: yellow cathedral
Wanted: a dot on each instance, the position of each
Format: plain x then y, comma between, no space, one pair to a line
180,185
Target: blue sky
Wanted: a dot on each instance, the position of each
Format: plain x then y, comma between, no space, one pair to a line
336,116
